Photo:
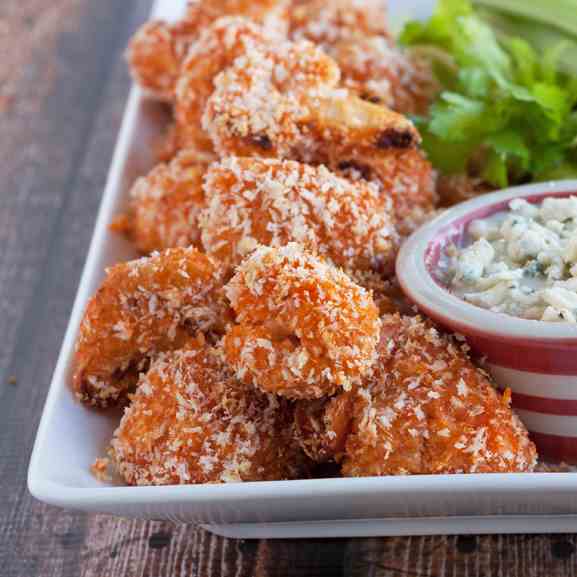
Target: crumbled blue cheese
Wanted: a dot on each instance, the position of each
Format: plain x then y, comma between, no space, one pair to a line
521,262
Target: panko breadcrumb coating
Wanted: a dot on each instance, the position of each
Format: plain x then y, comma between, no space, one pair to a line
155,54
260,104
166,204
215,49
284,101
305,329
404,175
157,50
144,307
355,34
271,202
272,15
191,422
428,410
326,22
425,409
380,72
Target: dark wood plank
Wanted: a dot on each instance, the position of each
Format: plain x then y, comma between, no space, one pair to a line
70,84
62,91
463,556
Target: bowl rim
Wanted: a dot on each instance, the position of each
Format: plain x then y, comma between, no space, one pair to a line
418,284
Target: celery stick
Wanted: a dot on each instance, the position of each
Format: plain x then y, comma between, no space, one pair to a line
561,14
541,36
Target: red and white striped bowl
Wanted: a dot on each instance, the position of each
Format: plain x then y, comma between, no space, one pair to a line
536,359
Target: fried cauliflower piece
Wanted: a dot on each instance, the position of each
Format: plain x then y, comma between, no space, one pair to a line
284,101
155,54
326,22
191,422
271,202
259,106
304,328
355,34
272,15
425,409
428,410
216,48
166,204
158,49
380,72
144,307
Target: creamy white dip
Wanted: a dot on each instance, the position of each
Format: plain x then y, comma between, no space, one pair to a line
521,262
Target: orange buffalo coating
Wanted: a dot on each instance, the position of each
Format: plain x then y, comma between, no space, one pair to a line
404,175
157,50
304,328
355,34
214,50
166,204
190,422
144,307
328,21
260,104
382,73
272,15
271,202
426,409
284,102
155,54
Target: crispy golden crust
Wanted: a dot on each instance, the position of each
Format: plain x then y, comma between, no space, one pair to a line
380,72
272,202
404,175
428,410
326,22
157,50
305,329
259,106
322,426
144,307
272,15
283,101
154,57
355,34
216,48
166,204
191,422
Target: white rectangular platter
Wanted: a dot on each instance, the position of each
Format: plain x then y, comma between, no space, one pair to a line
71,437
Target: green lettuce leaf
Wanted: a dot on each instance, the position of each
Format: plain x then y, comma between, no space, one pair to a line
508,110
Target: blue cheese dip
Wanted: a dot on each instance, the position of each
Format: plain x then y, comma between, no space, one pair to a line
521,262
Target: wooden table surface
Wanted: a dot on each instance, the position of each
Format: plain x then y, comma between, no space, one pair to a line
63,85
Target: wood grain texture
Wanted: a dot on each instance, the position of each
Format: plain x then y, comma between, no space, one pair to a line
62,91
